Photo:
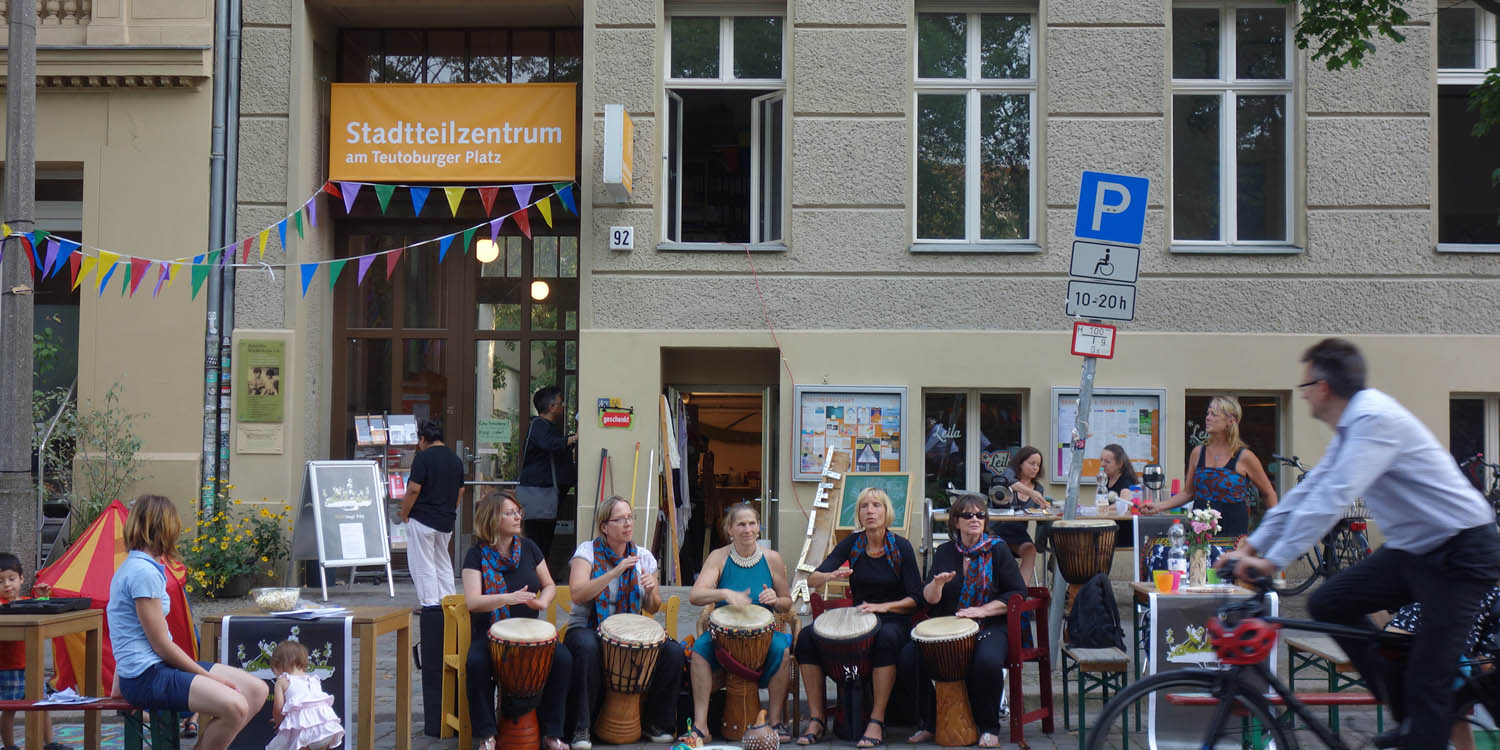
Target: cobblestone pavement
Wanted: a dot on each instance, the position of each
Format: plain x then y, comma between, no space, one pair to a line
1357,723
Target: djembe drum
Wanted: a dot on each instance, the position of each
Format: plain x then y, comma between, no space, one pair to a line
847,638
521,649
742,636
1084,547
629,645
947,645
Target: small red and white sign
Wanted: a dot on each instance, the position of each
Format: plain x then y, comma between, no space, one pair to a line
1093,340
614,418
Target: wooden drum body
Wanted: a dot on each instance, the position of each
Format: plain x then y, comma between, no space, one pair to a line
847,639
947,645
629,645
1084,547
744,633
521,649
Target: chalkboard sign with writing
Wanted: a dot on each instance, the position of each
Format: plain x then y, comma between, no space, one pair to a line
897,484
341,521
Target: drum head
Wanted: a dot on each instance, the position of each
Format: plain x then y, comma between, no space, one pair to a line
523,630
844,623
944,629
741,617
1083,524
636,630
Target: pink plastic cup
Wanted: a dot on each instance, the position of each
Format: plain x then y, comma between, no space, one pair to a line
1176,581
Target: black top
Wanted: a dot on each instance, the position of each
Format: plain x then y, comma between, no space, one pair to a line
873,579
1124,483
544,440
441,474
521,575
1005,579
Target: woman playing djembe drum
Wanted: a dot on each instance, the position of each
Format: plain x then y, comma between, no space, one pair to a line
883,581
609,576
505,576
741,573
972,577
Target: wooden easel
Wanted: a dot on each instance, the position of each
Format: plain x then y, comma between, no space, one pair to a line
820,523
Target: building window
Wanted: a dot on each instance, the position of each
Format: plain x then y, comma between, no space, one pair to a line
969,438
726,120
976,92
1467,195
1231,145
457,56
1472,430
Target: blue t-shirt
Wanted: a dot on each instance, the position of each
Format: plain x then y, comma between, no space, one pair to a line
139,577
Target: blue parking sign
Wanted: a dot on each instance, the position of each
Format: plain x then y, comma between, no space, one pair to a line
1112,208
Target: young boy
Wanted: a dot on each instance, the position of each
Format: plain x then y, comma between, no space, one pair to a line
13,662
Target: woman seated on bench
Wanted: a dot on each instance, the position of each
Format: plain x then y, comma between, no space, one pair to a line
151,671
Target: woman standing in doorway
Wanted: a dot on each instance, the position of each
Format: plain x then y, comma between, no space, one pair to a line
547,469
1223,470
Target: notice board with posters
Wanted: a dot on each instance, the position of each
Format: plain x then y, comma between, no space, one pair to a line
1130,417
866,421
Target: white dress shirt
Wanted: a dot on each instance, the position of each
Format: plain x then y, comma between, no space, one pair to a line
1383,453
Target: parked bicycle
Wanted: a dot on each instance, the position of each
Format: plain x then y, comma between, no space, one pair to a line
1476,463
1244,704
1344,545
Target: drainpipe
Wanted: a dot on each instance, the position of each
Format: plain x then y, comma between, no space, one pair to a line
223,173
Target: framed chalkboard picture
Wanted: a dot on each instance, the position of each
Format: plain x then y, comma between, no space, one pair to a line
897,484
345,503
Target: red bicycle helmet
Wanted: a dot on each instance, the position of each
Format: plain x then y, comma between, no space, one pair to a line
1250,642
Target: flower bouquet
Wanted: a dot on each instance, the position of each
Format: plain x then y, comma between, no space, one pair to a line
1203,525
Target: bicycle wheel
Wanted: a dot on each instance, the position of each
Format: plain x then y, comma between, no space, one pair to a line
1349,547
1249,724
1303,571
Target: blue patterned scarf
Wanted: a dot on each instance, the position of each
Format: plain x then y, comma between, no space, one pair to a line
976,586
627,596
892,552
494,566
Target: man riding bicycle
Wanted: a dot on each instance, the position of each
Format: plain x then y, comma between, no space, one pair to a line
1441,549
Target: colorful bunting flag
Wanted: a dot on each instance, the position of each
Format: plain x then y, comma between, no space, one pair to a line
51,262
331,189
312,210
487,196
364,265
443,243
391,257
495,229
523,220
245,250
384,192
564,192
200,273
265,234
74,263
308,271
30,245
172,272
418,199
281,231
84,269
297,220
351,191
125,277
545,206
138,268
455,197
523,195
69,249
161,277
107,262
468,239
334,269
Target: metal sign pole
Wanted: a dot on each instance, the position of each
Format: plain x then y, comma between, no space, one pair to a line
1070,506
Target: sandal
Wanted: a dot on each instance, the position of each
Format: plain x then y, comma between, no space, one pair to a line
989,739
783,733
694,737
189,729
922,735
866,741
810,737
553,743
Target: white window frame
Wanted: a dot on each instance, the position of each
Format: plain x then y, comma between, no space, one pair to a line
1228,87
971,424
1488,57
777,92
974,86
1491,425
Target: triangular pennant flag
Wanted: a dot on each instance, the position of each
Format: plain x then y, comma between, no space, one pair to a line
107,262
69,249
384,192
172,272
104,282
312,210
74,263
138,268
84,269
364,265
523,195
4,230
468,239
265,234
545,206
334,269
565,194
125,278
487,196
443,243
455,197
351,191
331,189
523,220
245,250
297,221
200,274
213,258
308,271
281,232
30,245
47,267
161,278
391,257
228,255
495,229
418,199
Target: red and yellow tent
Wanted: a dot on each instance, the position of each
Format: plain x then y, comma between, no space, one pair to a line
85,570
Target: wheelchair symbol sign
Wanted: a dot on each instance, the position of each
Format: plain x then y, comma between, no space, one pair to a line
1112,208
1096,260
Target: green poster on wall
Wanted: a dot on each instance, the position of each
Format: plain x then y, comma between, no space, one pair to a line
259,366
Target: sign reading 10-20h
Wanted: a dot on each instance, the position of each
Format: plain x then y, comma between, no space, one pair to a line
1106,254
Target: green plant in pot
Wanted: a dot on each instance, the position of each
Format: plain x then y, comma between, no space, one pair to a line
233,550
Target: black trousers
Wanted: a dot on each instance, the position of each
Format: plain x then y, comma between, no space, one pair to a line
480,684
540,530
983,681
1449,583
587,693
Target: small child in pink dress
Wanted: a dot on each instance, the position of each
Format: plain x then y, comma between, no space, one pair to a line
302,712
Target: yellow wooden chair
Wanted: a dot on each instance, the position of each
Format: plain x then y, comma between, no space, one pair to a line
455,654
557,614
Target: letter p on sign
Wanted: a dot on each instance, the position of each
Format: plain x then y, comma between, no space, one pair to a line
1112,208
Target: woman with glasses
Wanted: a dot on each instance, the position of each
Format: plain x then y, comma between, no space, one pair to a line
973,575
1024,478
505,575
1223,471
610,575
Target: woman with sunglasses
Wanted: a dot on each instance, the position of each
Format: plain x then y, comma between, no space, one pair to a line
973,575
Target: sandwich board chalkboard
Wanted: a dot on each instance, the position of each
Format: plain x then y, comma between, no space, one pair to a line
897,484
341,521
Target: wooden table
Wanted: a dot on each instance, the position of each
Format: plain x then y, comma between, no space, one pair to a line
34,630
369,624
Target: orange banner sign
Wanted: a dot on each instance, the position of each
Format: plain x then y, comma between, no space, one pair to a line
455,132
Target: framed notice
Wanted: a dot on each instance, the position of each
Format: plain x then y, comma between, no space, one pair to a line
341,522
259,366
865,421
1130,417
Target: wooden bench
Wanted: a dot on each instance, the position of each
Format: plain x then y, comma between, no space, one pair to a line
1321,654
163,724
1103,669
1353,698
